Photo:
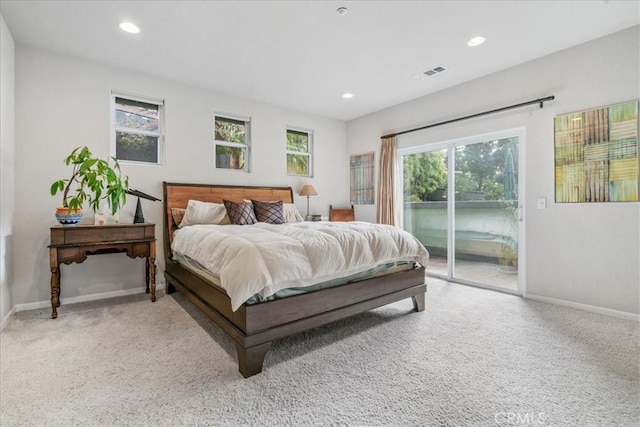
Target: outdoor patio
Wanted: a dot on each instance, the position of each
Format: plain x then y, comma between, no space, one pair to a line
475,271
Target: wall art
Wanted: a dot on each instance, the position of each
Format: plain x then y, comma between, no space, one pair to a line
362,176
596,155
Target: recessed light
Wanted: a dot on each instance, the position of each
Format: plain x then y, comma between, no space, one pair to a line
476,41
342,11
347,95
129,27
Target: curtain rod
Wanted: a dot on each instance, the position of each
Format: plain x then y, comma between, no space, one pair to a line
540,101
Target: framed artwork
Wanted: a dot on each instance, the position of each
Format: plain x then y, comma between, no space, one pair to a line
596,155
362,175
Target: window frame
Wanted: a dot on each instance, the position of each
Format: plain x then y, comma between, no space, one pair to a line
247,141
160,134
308,153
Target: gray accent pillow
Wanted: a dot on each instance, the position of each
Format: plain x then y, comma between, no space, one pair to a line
270,212
240,213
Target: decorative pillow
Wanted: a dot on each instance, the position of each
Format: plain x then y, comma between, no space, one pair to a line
270,212
204,213
177,214
291,213
240,213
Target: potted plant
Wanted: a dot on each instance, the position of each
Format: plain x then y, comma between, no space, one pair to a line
92,180
508,258
507,254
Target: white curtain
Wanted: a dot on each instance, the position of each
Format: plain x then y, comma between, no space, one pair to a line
387,212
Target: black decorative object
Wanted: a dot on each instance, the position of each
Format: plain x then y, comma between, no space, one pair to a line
139,217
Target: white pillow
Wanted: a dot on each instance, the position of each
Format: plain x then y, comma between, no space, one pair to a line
204,213
291,213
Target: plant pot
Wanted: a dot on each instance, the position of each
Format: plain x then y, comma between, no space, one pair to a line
67,217
507,268
508,265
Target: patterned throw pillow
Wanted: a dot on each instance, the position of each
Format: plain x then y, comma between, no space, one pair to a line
240,213
271,212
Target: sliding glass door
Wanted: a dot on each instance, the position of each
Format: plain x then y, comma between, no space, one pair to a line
425,176
461,200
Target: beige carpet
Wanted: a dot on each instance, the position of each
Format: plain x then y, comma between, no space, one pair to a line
473,358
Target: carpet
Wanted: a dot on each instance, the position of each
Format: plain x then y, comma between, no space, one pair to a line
472,358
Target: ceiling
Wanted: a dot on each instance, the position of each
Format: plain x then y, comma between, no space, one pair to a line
304,55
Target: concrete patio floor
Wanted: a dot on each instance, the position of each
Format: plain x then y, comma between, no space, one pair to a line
475,271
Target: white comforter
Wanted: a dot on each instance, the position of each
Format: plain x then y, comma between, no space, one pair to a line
265,258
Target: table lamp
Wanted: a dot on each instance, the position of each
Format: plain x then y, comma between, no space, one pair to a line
308,190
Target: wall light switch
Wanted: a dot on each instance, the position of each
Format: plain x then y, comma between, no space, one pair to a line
542,203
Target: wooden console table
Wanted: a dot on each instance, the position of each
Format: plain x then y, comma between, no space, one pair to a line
73,243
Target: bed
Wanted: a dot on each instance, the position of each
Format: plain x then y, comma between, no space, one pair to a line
253,327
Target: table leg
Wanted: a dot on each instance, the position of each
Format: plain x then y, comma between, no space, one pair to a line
151,271
146,276
153,279
59,273
55,291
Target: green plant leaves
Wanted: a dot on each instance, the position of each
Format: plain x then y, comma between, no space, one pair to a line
95,180
57,186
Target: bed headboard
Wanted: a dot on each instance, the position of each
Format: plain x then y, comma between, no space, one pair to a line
177,195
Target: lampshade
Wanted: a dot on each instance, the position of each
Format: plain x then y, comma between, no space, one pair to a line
308,190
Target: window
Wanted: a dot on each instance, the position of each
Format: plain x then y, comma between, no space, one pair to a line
232,140
138,129
299,152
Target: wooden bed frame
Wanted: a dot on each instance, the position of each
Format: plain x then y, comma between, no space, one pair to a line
254,327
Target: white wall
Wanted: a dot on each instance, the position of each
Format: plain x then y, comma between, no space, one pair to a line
62,103
7,156
584,253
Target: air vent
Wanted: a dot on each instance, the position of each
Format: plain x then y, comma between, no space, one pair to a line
431,72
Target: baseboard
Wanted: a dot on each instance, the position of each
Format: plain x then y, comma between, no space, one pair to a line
83,298
44,304
592,308
6,318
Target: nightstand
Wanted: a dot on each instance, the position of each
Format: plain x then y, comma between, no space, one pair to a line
73,243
